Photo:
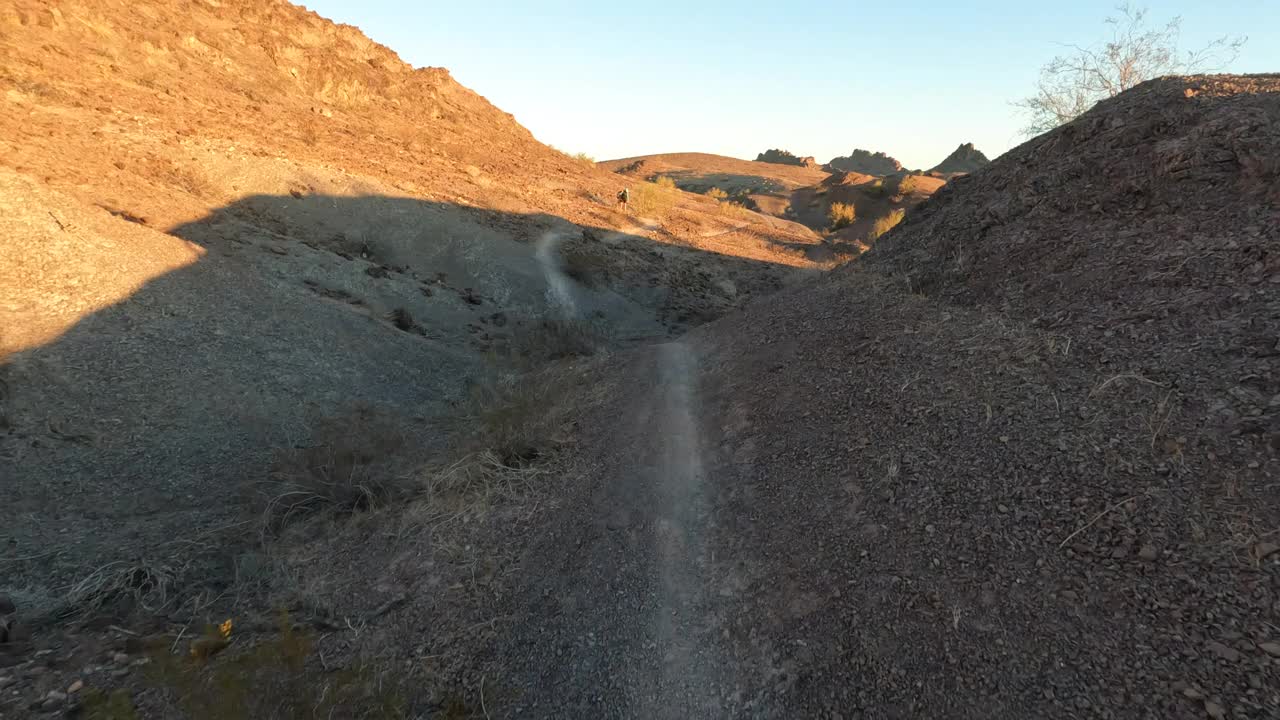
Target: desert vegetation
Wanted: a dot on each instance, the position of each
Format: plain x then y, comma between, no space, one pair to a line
886,223
656,198
1136,51
841,215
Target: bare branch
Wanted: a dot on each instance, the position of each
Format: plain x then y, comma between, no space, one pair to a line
1070,85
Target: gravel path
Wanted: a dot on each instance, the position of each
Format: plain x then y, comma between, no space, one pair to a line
619,624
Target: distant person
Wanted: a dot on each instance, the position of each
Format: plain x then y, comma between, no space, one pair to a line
623,196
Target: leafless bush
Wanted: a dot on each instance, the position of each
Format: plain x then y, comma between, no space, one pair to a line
1136,52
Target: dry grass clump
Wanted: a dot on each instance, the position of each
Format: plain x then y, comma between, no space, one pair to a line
841,215
907,184
542,340
126,586
354,462
885,224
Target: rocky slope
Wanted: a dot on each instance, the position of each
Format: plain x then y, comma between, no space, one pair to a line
784,157
964,159
227,224
865,162
1018,461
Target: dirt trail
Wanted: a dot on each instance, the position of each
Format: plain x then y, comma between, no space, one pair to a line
622,624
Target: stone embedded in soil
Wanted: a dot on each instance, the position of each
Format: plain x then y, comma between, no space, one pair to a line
1262,550
53,701
76,687
1215,711
120,658
1149,553
1271,648
1226,653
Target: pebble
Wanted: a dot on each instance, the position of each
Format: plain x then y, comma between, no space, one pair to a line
1216,711
76,687
120,672
1149,553
53,701
1192,693
120,658
1262,550
1271,648
1225,652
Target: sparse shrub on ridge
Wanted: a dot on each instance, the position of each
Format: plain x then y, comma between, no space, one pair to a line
885,224
717,194
841,215
654,199
665,182
907,184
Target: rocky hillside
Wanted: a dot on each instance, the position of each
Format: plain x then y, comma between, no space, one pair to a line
865,162
229,225
784,157
965,159
1031,435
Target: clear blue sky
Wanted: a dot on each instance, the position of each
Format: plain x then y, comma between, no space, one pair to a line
914,79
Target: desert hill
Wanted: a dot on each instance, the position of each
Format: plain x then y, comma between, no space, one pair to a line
865,162
326,390
784,157
964,159
800,194
227,226
1019,460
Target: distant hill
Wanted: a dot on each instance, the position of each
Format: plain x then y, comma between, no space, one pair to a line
865,162
783,157
965,159
764,186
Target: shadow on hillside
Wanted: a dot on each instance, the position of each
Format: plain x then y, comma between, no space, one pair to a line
136,427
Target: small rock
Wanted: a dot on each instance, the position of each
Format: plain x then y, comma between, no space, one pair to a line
1262,550
76,687
1149,553
1271,648
53,701
1193,693
1215,711
1003,508
6,605
1225,652
120,658
1070,595
120,672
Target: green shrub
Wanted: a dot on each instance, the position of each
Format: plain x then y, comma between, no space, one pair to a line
841,215
886,223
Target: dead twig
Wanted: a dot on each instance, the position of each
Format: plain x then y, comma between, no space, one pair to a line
482,705
1095,519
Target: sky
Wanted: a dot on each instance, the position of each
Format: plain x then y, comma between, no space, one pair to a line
912,79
